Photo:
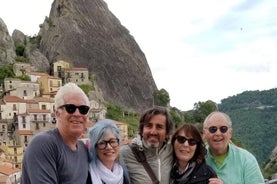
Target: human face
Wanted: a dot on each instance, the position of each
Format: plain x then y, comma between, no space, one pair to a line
184,151
218,141
71,125
109,154
154,132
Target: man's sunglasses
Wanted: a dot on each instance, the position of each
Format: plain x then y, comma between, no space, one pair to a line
182,140
71,108
213,129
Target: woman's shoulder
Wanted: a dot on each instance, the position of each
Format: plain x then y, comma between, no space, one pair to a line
206,169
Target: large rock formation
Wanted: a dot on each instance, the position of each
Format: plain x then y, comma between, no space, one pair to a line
86,34
7,48
37,60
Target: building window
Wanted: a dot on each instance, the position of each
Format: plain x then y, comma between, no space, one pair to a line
43,107
24,93
35,117
37,126
44,117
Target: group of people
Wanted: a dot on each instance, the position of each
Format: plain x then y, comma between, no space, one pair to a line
159,154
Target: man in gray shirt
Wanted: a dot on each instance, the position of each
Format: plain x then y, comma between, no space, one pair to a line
57,156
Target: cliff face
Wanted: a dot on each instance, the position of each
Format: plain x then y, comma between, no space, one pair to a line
7,48
86,34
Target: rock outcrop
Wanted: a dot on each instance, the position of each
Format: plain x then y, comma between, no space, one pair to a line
7,48
86,34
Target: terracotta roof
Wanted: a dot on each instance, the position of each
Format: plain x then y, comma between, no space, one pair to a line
13,99
25,132
8,170
3,179
42,99
38,111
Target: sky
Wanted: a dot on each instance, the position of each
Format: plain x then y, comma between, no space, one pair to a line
197,50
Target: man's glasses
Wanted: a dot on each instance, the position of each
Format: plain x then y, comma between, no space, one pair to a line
182,140
213,129
71,108
112,142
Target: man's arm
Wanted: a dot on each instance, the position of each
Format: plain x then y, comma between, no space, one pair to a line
39,162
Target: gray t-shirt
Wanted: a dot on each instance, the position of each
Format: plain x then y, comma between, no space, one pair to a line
49,160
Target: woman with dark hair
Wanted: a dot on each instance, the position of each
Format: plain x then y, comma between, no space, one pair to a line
189,158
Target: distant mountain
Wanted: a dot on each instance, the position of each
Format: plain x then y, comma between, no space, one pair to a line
254,117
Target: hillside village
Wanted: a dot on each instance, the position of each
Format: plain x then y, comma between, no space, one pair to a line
27,108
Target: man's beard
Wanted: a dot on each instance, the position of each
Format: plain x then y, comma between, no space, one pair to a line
148,144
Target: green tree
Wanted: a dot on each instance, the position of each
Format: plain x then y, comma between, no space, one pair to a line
203,109
176,116
19,50
162,98
6,71
188,117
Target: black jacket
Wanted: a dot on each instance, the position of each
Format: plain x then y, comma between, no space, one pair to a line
200,175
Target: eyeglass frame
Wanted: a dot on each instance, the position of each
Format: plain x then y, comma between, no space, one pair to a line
213,129
106,143
191,142
82,111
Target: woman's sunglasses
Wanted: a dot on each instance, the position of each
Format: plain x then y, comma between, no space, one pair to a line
182,140
71,108
213,129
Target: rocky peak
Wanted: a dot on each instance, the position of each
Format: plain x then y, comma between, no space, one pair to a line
18,37
86,34
7,48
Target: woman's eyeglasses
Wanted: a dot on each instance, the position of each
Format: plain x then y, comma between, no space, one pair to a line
182,140
71,108
213,129
112,142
